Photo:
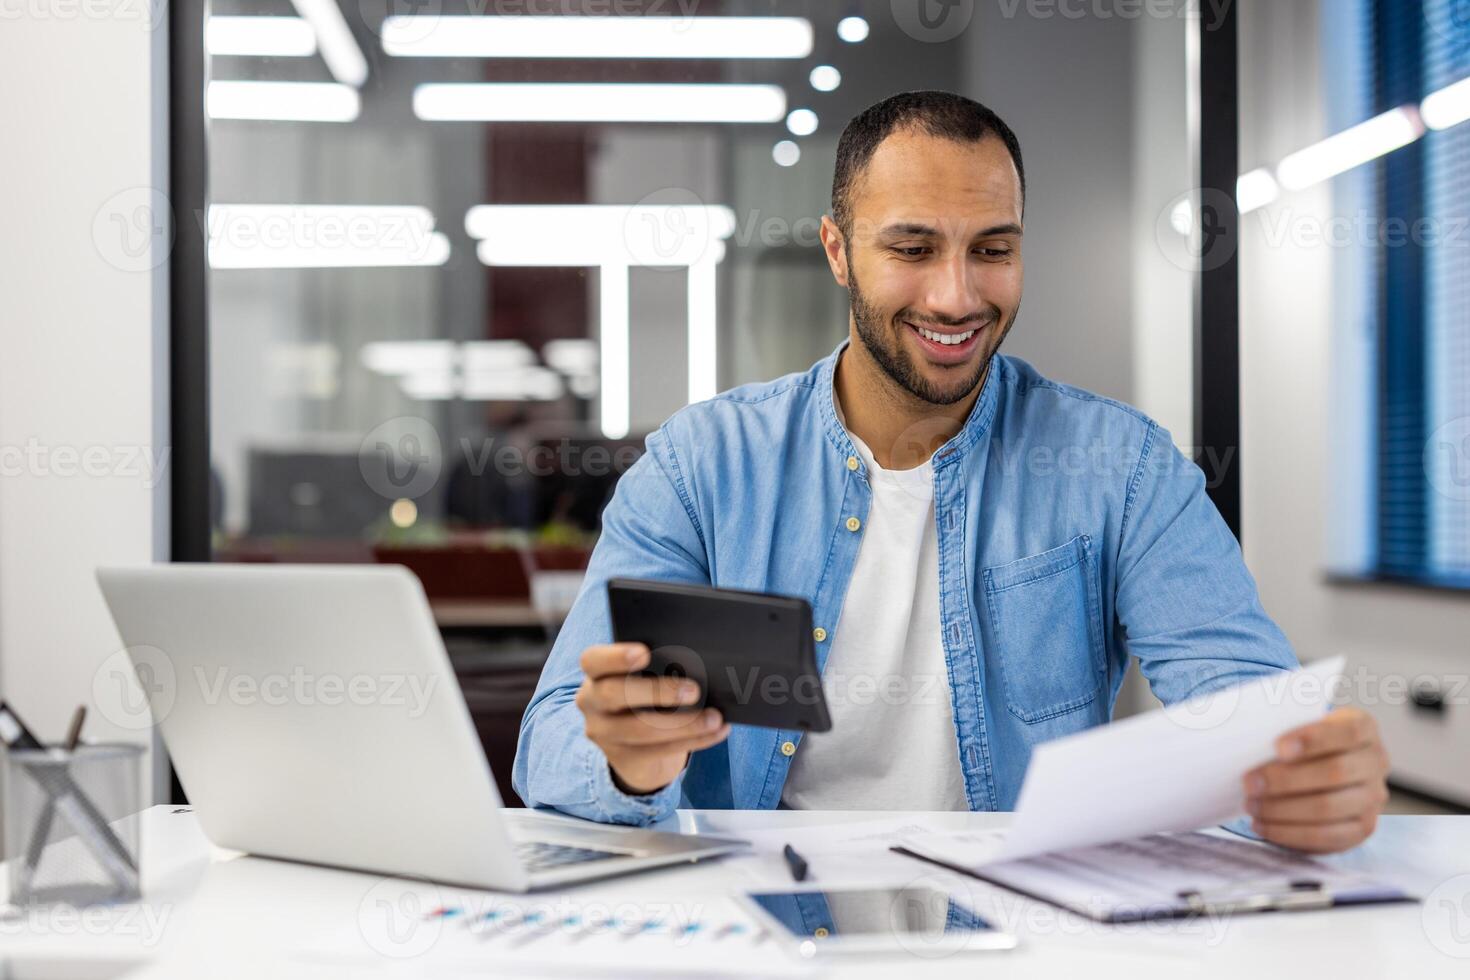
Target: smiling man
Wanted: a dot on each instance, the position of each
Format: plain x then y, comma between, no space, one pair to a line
983,548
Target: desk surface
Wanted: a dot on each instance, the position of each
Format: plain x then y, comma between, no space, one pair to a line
215,913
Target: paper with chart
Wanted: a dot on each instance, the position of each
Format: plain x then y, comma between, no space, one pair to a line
1175,769
570,933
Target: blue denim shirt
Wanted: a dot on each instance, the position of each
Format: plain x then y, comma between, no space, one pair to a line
1072,535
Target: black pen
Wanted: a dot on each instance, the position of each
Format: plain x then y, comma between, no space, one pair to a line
795,862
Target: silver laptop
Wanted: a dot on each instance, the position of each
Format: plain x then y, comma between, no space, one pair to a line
312,714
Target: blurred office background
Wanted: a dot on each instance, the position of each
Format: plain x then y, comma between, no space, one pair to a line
444,305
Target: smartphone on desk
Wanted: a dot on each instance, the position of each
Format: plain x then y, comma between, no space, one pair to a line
750,652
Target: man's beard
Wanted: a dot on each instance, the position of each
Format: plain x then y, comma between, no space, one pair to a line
897,363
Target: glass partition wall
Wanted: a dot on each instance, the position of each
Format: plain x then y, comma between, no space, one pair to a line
461,261
464,256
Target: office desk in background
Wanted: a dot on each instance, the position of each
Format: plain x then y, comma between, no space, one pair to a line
214,913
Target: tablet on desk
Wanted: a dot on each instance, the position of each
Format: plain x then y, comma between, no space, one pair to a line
750,652
915,919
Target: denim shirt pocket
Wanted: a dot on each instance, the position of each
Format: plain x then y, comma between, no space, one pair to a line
1046,621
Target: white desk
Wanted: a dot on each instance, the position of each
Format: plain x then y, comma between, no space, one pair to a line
214,913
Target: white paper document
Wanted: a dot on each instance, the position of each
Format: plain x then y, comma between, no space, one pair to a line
1178,768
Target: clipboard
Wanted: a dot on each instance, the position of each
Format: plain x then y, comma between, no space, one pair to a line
1077,880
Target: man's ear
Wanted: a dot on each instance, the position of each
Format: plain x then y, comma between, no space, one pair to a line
836,248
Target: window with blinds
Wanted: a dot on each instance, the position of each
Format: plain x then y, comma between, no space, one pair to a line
1411,293
1446,292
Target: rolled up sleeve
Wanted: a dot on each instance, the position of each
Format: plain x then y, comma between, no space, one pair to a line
1187,606
649,531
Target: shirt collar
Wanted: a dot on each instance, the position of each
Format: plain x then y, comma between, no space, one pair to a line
975,427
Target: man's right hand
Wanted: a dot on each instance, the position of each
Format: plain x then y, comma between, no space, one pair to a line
646,726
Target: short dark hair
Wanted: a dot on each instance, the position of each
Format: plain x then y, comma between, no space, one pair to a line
942,114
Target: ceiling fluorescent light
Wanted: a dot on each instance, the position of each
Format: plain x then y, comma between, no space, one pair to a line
1448,106
400,357
570,356
301,236
1255,190
522,384
786,153
614,411
825,78
225,256
617,102
496,355
574,36
703,333
1350,148
259,37
615,238
599,234
802,122
853,30
339,48
430,387
284,101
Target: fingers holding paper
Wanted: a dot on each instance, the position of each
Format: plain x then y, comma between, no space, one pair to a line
1326,787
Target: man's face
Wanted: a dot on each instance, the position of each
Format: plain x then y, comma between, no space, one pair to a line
933,260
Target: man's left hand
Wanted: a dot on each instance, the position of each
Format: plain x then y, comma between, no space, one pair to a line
1326,787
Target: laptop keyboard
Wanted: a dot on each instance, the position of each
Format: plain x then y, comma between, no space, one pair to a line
540,855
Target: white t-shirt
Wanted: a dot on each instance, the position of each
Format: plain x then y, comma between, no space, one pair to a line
892,745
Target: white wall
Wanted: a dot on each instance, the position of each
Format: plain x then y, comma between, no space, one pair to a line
1064,85
82,321
1289,342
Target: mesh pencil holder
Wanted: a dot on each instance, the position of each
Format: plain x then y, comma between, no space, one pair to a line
71,824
